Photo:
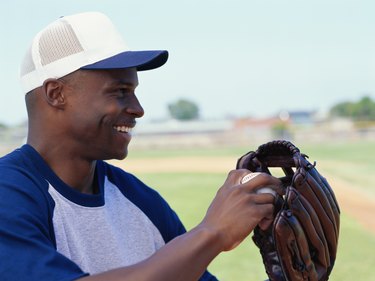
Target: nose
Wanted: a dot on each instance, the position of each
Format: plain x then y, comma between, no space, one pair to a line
135,108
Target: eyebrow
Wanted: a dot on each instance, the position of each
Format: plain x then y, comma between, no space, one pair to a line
117,82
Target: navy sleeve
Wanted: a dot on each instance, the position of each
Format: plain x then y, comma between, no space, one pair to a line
207,277
27,245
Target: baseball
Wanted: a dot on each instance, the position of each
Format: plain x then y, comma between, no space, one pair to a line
266,190
250,176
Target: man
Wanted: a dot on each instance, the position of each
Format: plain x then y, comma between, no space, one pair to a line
65,214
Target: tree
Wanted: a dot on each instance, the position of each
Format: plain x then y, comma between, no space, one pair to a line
183,109
281,130
363,110
3,126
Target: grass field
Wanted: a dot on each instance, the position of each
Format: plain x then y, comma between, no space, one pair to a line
353,162
190,193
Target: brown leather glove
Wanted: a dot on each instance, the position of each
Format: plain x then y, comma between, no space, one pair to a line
301,244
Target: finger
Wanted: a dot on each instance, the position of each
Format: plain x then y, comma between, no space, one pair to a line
263,198
265,212
268,199
255,181
265,223
234,177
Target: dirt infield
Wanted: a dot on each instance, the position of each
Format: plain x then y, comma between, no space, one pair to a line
352,202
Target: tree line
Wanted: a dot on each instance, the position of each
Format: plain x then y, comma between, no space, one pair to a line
362,110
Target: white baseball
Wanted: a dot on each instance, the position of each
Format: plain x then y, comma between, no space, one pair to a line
250,176
266,190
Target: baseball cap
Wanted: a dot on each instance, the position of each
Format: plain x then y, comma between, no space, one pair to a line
81,41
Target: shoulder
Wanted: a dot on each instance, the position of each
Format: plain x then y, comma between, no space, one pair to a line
128,183
20,182
148,200
25,206
18,168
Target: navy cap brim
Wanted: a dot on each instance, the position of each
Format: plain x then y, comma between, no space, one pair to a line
142,60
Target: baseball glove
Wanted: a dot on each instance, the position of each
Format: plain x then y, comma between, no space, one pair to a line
301,243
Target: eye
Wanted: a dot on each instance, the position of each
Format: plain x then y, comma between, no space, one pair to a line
122,92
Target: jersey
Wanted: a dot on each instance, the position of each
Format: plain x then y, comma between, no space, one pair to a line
50,231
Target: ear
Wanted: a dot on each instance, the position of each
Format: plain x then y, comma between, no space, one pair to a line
53,93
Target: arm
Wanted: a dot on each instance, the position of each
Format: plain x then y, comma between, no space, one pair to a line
232,215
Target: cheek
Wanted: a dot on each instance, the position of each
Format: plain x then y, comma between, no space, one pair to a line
89,116
108,113
100,117
84,118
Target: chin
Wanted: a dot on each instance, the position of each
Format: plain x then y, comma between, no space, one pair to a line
121,155
113,155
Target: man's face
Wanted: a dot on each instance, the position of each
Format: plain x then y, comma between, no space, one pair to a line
101,111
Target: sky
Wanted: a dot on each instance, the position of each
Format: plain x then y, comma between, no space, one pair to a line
238,58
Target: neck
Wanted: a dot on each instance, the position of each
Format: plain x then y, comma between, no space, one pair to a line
75,171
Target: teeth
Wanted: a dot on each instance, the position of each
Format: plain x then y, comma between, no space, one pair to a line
122,129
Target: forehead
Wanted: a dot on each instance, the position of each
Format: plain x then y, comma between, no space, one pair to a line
108,76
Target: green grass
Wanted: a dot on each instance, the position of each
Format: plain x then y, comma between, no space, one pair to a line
353,162
355,258
190,194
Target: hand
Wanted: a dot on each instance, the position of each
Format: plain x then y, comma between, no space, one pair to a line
237,208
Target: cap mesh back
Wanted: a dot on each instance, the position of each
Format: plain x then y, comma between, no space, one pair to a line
58,42
27,63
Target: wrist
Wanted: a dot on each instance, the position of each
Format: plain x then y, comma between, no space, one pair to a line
211,237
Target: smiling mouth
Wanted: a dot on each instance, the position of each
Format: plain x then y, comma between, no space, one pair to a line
122,129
